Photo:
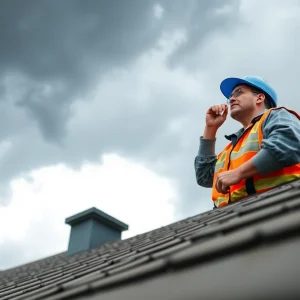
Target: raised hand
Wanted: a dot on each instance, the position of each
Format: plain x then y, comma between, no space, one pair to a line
216,116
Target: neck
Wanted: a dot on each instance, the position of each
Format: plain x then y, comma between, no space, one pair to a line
247,120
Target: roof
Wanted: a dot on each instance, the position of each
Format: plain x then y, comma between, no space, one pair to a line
247,250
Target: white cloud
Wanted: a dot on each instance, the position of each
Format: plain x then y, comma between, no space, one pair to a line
46,197
158,11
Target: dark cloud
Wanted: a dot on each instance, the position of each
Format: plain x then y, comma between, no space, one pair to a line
55,40
202,20
60,45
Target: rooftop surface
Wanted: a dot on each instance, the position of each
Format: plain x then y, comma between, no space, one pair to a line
247,250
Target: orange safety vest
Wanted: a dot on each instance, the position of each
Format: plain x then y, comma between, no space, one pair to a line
247,146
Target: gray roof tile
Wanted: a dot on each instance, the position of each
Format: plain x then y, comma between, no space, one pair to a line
83,280
39,294
136,273
69,294
170,250
91,269
215,247
119,268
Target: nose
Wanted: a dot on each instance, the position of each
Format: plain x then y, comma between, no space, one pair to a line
230,100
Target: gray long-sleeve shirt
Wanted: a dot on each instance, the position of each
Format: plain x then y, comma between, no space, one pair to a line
280,147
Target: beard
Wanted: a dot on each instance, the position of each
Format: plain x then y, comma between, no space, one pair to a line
241,114
236,112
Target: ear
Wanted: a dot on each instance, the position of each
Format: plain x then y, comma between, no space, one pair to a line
260,98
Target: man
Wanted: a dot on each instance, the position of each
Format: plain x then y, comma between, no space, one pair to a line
263,154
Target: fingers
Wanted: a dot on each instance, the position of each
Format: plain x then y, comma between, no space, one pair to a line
219,109
225,110
222,187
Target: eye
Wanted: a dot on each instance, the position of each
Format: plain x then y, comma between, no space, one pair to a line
236,93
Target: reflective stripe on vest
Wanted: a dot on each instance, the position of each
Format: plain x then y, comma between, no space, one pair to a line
248,145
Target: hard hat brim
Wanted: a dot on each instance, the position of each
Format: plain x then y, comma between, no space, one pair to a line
228,85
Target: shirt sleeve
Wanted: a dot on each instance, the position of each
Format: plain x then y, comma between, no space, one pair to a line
281,142
205,162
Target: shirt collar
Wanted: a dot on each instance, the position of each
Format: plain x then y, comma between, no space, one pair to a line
240,131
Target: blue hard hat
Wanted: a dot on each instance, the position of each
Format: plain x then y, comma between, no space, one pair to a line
228,84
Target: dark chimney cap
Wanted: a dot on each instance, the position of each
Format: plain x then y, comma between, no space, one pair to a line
94,213
92,228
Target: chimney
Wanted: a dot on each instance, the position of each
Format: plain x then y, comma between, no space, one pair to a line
92,228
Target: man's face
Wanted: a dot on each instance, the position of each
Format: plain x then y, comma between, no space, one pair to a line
242,101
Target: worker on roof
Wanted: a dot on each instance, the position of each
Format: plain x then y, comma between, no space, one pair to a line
263,154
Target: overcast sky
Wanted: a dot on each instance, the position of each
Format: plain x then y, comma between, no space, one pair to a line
103,103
